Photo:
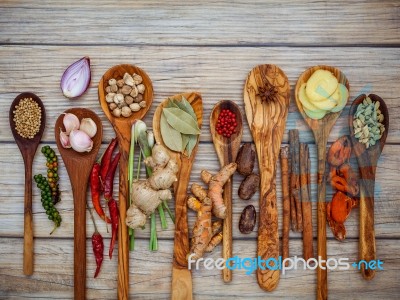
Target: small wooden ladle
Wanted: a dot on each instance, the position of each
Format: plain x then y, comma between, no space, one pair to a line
321,129
367,163
227,150
122,127
181,288
79,166
266,99
28,149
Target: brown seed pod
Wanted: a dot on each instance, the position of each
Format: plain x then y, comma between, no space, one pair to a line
246,159
249,186
247,219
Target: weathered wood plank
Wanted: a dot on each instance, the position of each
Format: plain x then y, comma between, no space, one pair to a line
11,197
151,271
200,23
217,73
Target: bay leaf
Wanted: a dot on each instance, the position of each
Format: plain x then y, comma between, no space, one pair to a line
191,144
171,103
181,120
185,105
171,137
185,141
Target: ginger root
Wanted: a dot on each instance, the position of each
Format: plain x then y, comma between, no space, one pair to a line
148,194
215,189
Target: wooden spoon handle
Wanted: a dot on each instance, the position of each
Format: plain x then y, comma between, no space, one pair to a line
123,243
181,284
181,239
28,227
227,230
367,246
268,237
79,193
322,275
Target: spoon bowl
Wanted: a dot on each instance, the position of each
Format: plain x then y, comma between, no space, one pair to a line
122,127
28,149
227,149
367,163
321,129
79,167
181,275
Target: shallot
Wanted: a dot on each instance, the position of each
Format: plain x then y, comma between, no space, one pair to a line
76,78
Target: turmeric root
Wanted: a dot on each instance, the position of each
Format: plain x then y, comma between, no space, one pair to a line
215,241
193,203
216,235
202,231
148,194
215,189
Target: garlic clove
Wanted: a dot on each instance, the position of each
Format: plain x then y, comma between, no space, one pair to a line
64,140
70,122
88,126
80,141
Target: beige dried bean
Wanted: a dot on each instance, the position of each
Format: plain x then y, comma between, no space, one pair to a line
112,81
120,83
128,100
134,107
134,92
128,79
126,89
142,104
108,89
114,88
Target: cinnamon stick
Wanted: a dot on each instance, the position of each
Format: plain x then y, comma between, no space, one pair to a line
295,178
286,201
308,251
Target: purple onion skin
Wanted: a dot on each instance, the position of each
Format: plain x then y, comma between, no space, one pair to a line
73,83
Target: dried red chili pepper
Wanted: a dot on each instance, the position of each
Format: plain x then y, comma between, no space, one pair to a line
106,160
98,249
114,213
95,189
109,181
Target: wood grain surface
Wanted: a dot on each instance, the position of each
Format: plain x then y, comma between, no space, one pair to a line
207,47
266,96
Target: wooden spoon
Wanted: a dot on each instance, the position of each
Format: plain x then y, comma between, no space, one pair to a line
227,150
266,99
28,149
367,162
181,275
79,166
122,127
321,129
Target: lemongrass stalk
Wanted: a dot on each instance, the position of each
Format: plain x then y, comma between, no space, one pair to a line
171,215
131,163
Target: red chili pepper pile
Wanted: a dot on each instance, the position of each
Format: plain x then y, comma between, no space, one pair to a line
226,123
102,180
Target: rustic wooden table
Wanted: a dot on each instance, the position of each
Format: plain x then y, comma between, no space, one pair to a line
207,47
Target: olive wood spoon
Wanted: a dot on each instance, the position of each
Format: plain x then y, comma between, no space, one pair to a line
266,99
367,163
28,149
227,149
321,129
79,166
181,276
122,127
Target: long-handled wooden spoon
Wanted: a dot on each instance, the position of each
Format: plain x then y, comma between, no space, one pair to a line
367,163
227,150
28,149
266,99
321,129
122,127
181,276
79,166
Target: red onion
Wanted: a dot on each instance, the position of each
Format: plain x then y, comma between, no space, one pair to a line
76,78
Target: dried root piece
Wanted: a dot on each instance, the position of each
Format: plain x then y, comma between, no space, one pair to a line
215,241
339,152
215,189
